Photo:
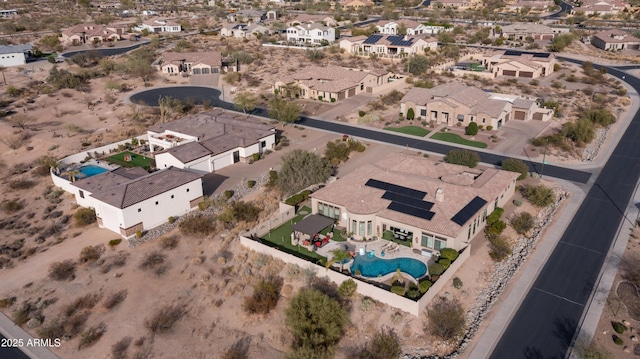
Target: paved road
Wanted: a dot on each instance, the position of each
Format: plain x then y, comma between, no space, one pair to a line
107,51
547,320
564,10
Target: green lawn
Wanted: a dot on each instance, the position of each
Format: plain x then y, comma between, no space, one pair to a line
452,137
410,130
388,235
137,160
281,237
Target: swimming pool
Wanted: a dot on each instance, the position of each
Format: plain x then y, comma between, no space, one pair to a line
92,170
374,266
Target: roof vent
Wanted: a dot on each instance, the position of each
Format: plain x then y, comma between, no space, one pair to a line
440,195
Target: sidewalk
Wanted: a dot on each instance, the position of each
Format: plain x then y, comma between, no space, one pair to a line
12,331
504,310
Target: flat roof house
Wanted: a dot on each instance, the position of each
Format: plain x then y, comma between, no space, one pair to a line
332,82
453,103
131,200
14,55
158,26
209,141
615,40
431,205
392,27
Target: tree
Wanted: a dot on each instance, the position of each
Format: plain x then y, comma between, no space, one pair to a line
522,222
471,129
515,165
316,322
417,65
245,101
383,345
282,110
139,64
445,318
539,196
402,29
410,114
462,157
300,169
560,42
21,120
338,256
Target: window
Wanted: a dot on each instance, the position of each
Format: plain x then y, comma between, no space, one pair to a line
423,112
139,210
156,203
171,196
263,144
369,227
328,210
469,233
81,194
440,244
484,215
426,240
362,228
461,118
187,190
354,226
484,120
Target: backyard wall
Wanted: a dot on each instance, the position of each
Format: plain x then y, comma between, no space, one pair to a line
366,289
106,148
286,213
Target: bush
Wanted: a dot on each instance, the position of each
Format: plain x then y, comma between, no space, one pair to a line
522,222
539,196
361,113
413,292
446,318
517,202
255,156
489,128
138,234
119,349
410,114
11,206
618,327
265,296
383,345
91,253
347,288
462,157
115,242
499,248
425,285
7,302
617,339
164,318
495,229
516,165
22,184
294,200
92,335
457,283
449,253
169,242
85,216
172,219
436,269
87,301
251,183
228,194
494,216
155,261
65,270
200,225
398,289
472,129
115,299
445,263
239,212
52,330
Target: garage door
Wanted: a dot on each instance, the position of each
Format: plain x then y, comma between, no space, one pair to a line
341,95
537,116
519,115
352,92
508,73
547,37
528,74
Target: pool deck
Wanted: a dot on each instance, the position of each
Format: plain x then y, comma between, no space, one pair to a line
376,246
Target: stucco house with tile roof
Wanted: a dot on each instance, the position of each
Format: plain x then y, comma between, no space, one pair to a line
430,205
516,64
131,200
88,33
158,26
615,39
209,141
391,46
391,27
332,82
520,31
454,103
243,30
602,7
312,33
302,19
189,63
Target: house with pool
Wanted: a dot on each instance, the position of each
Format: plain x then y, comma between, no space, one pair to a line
208,141
428,205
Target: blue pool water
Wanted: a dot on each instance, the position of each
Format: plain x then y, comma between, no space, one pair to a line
374,266
92,170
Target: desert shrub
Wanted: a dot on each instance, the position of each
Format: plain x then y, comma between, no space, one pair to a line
539,196
228,194
425,285
494,216
22,314
522,222
22,184
7,302
347,288
65,270
515,165
11,206
618,327
445,263
92,335
87,301
85,216
115,242
384,345
413,292
239,212
91,253
449,253
119,349
471,129
316,321
398,289
239,350
138,234
163,319
462,157
495,229
169,242
153,260
116,260
115,299
300,169
265,296
199,224
517,202
436,269
446,318
172,219
617,340
499,248
361,113
457,283
52,330
251,183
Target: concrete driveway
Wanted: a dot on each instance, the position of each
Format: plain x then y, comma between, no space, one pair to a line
347,105
516,134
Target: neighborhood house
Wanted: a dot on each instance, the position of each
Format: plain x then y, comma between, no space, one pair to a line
388,46
88,33
516,64
190,63
311,34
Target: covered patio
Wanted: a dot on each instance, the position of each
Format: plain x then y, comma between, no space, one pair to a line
307,231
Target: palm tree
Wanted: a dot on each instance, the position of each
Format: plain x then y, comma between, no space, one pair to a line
398,277
73,174
339,255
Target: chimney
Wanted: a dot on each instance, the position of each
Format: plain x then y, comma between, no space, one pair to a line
440,195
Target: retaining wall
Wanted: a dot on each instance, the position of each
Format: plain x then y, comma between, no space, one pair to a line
78,157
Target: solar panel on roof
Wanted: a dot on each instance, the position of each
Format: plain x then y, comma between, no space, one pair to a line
468,211
372,39
542,55
412,211
399,41
409,192
409,201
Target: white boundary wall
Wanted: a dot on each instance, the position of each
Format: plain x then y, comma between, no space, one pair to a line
366,289
80,156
